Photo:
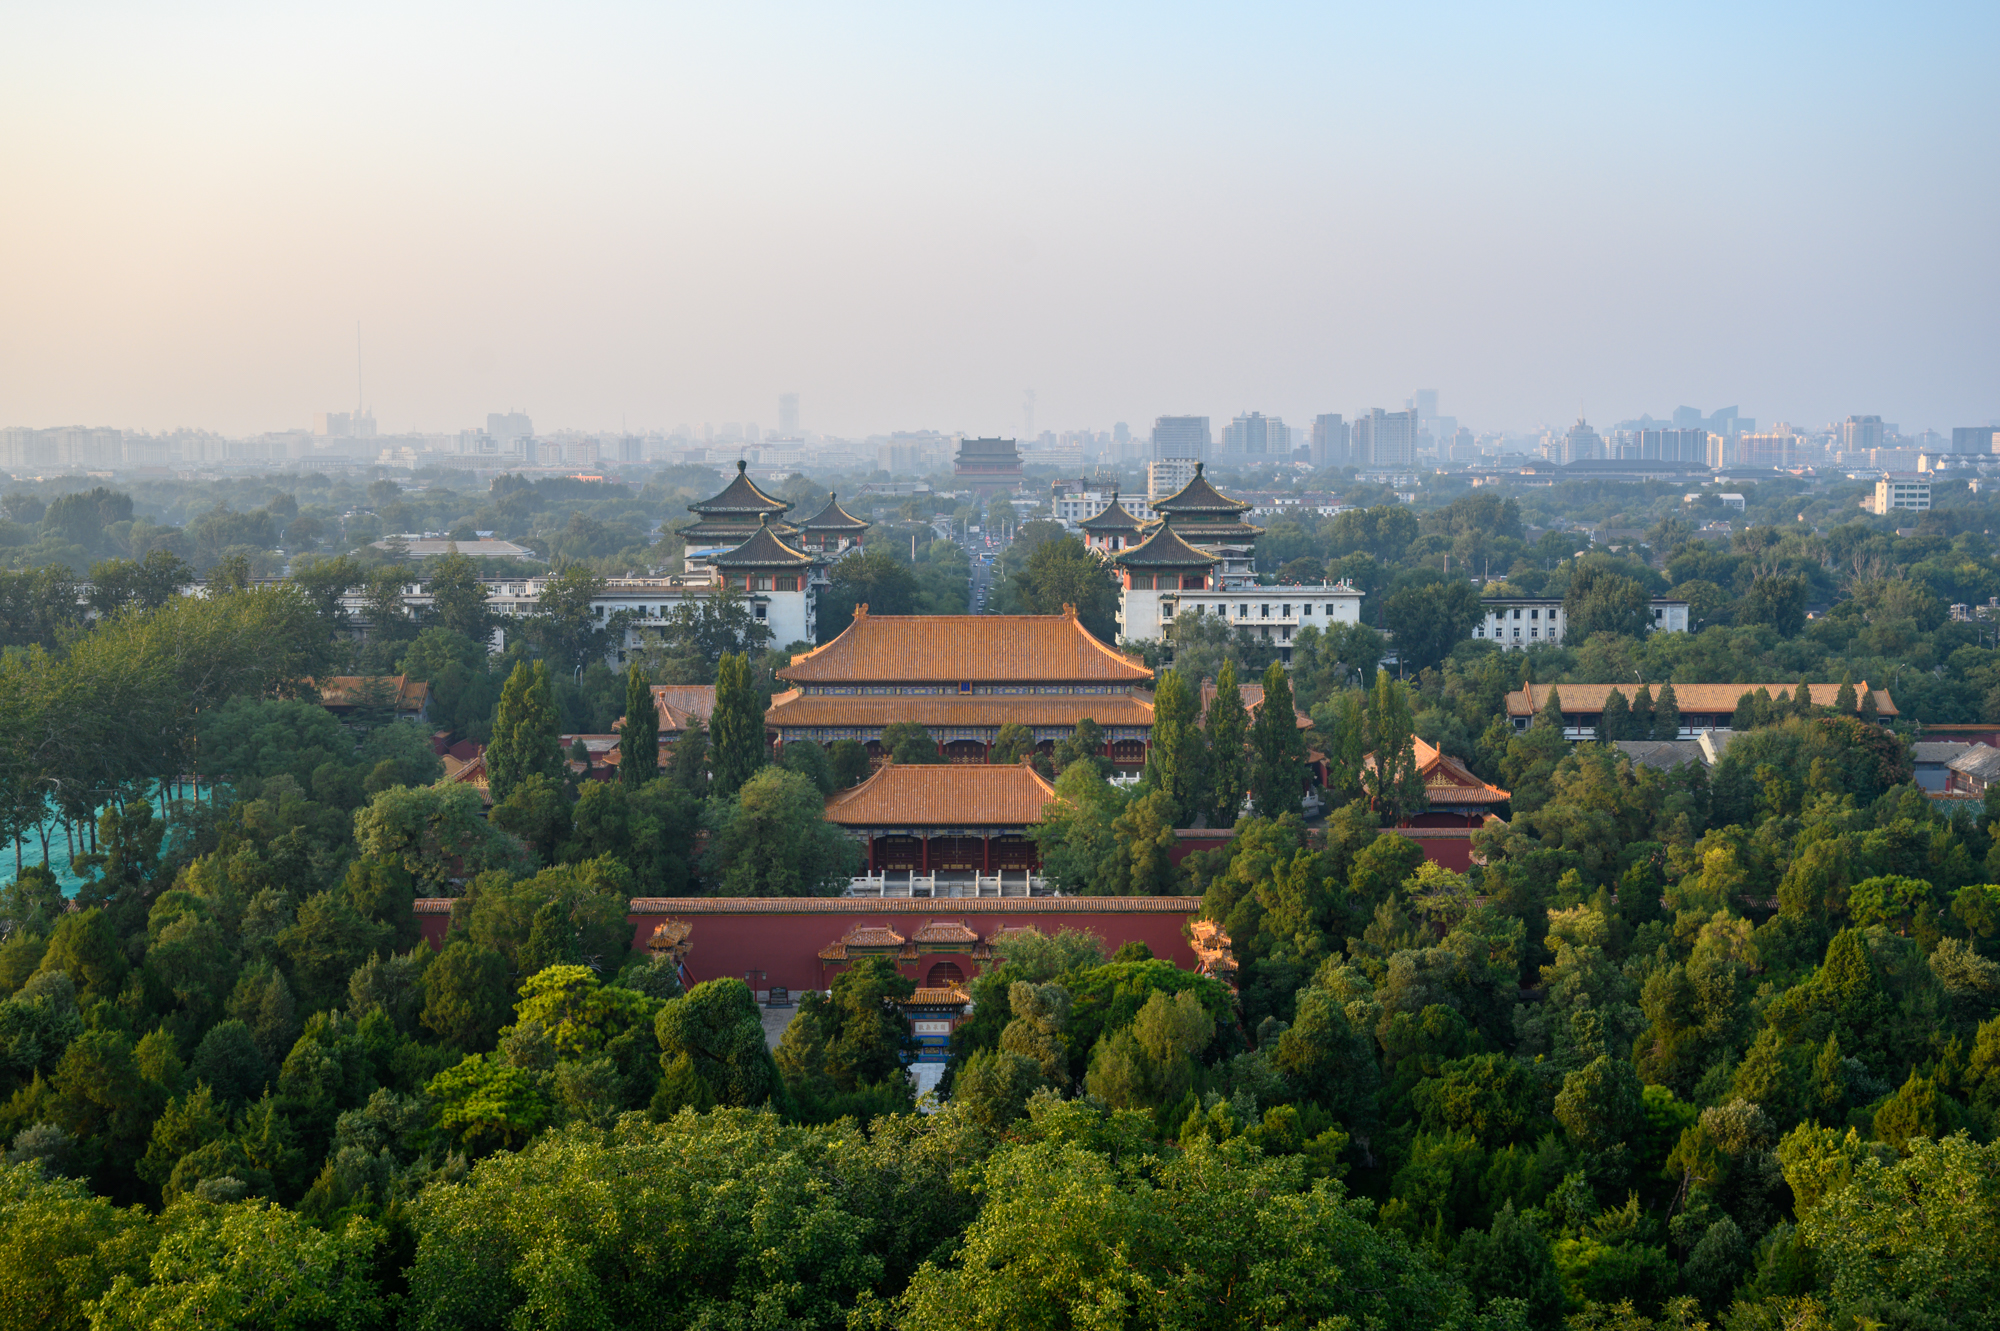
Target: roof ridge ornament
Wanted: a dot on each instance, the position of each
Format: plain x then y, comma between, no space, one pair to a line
741,466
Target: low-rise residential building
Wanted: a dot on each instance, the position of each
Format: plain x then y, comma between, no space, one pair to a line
1529,621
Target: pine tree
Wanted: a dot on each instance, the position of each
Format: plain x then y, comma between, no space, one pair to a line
524,742
1228,750
639,734
1174,757
736,732
1277,771
1614,723
1843,702
1802,703
1869,711
1667,714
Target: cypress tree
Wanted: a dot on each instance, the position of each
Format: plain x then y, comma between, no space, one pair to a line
1614,722
1277,773
1552,711
736,732
1745,716
1766,710
1228,750
639,735
1667,714
1174,757
1641,724
1843,702
1869,713
1802,703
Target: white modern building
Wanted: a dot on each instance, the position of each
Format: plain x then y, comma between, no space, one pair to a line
1530,621
1897,493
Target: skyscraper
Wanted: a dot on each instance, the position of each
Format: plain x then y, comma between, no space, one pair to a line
1860,432
1582,444
1424,402
1385,439
1181,437
1329,441
1257,435
788,414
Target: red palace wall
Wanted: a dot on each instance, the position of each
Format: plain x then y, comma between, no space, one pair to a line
777,940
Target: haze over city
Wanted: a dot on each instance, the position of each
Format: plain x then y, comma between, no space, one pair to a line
627,217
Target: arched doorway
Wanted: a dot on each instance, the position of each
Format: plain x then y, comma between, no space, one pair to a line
945,975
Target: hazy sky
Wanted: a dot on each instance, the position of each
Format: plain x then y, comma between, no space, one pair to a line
651,213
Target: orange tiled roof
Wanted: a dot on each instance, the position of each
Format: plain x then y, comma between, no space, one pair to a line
945,931
950,649
1708,699
943,795
1253,702
677,704
926,997
347,690
1446,780
1107,709
896,907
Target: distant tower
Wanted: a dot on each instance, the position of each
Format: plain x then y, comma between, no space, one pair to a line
788,414
1028,414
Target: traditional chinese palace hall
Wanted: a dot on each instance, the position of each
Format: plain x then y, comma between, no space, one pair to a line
953,818
963,677
800,943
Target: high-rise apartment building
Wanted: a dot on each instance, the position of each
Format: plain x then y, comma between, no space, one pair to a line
1384,440
1673,445
1972,439
1257,435
1329,441
788,415
1859,433
1181,437
509,425
1582,444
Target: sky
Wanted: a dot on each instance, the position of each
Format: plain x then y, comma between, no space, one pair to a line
636,215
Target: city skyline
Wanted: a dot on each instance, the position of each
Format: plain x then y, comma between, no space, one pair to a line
628,215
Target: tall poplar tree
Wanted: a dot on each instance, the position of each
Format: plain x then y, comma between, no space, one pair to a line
1641,724
1174,758
524,740
736,731
1228,728
639,735
1394,786
1277,771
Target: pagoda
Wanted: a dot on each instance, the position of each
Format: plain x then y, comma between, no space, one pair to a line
731,518
832,530
1209,520
764,566
1112,530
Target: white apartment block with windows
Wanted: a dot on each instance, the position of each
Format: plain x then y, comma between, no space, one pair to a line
788,612
1894,493
1168,476
1273,614
1077,506
1529,621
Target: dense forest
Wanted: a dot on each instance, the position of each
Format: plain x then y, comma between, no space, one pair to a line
1704,1046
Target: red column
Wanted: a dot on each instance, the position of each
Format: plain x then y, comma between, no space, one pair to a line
986,854
926,853
871,852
